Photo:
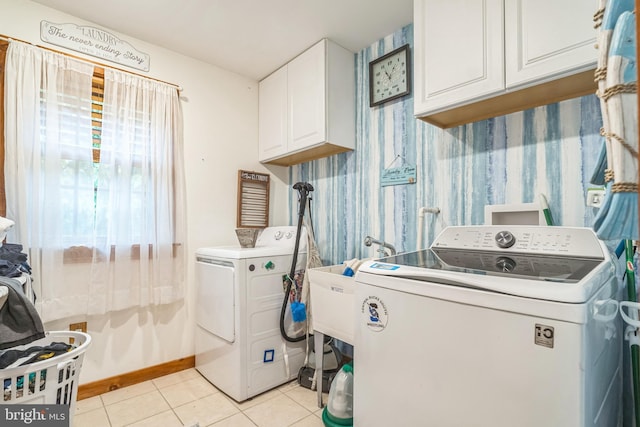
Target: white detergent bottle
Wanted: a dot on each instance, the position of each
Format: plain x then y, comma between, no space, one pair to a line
339,409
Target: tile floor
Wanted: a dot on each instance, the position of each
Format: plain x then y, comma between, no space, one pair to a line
186,398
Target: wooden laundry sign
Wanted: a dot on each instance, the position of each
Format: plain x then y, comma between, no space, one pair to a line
95,42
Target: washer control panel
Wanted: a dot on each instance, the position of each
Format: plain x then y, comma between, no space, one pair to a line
562,241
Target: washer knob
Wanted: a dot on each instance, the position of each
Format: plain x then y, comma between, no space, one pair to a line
278,235
289,235
504,239
505,264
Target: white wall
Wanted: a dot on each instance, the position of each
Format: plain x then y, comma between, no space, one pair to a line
220,133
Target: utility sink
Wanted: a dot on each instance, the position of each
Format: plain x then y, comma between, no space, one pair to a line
332,305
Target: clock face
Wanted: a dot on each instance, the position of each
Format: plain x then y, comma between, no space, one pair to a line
389,76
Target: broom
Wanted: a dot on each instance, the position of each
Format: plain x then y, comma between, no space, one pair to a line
631,332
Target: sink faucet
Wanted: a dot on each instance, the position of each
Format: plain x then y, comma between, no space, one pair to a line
368,241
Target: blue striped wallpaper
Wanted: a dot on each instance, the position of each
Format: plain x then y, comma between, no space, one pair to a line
509,159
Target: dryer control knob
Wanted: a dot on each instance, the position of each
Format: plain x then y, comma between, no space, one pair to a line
278,235
505,239
289,235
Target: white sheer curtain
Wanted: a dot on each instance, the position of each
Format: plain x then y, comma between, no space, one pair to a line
47,160
124,213
139,207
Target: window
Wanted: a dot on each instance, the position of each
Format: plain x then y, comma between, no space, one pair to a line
80,164
96,182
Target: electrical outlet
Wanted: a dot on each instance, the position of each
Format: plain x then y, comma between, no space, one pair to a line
595,197
78,327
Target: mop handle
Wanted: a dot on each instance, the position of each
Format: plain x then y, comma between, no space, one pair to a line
545,210
631,332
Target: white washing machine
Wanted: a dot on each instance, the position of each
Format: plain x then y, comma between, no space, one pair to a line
239,296
493,326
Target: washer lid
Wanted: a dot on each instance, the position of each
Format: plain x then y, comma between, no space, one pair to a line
515,266
563,264
562,279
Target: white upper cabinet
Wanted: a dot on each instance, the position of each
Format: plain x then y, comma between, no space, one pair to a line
272,115
307,107
476,59
459,53
306,99
546,38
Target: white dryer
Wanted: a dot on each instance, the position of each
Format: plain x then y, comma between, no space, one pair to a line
493,326
239,296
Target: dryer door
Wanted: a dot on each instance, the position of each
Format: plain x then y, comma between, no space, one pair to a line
215,300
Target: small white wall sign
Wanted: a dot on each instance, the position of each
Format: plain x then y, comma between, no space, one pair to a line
95,42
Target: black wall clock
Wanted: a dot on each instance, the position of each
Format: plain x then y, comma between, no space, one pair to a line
390,76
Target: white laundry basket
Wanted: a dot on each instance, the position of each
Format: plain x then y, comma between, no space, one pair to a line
51,381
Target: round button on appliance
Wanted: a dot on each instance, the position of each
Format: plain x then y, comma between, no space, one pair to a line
505,264
504,239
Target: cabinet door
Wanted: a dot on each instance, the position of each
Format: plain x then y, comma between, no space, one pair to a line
458,51
307,98
546,38
272,115
215,302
